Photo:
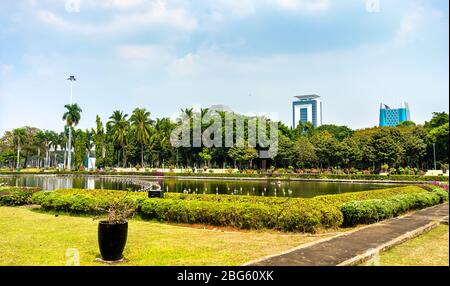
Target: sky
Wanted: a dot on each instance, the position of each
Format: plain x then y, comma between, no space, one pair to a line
251,55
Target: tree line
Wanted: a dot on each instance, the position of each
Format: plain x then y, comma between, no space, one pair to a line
137,140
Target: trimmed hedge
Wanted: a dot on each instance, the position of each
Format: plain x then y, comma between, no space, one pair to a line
16,196
293,216
81,202
248,212
335,200
371,211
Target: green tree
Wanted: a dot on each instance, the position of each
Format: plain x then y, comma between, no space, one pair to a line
338,132
119,126
39,139
19,139
206,156
286,151
305,153
72,117
99,142
243,154
142,127
386,146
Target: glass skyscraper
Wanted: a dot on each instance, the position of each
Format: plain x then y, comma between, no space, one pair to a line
393,117
307,108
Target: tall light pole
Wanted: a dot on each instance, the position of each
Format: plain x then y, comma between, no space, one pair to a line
71,79
69,149
434,155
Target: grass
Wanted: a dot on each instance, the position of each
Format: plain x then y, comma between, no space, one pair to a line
429,249
32,238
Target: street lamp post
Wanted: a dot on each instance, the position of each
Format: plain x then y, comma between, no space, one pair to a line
69,149
71,79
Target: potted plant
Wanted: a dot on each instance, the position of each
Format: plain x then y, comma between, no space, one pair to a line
113,231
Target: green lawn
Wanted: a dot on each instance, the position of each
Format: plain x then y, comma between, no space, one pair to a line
429,249
31,238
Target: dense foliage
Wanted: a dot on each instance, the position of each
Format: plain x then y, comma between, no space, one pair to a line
16,196
140,142
370,211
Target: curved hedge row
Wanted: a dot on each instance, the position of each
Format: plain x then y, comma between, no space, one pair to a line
249,212
78,203
335,200
292,216
371,211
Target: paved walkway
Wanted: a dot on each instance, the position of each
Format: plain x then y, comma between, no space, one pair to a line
359,245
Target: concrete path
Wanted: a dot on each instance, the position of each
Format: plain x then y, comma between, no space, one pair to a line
357,246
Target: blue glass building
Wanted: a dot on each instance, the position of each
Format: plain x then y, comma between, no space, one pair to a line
307,108
393,117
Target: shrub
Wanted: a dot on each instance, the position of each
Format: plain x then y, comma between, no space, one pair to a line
292,216
443,195
16,196
371,211
248,212
82,201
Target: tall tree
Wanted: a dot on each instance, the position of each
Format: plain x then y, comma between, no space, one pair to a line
119,125
72,117
19,138
141,125
63,143
39,139
99,142
53,143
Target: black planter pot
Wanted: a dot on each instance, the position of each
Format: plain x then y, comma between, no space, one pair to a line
112,239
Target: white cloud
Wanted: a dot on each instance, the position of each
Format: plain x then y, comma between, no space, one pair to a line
145,55
303,5
115,4
157,14
242,8
236,7
415,21
6,69
185,65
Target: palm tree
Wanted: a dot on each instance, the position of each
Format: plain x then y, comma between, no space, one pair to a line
142,126
119,124
53,143
63,143
72,118
46,142
39,139
19,138
89,142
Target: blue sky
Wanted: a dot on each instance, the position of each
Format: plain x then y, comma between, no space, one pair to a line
252,55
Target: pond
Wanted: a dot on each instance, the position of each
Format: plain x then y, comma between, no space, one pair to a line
304,189
53,182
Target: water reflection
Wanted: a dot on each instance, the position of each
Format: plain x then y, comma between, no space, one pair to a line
304,189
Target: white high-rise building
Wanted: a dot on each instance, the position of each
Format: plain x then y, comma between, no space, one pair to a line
307,108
